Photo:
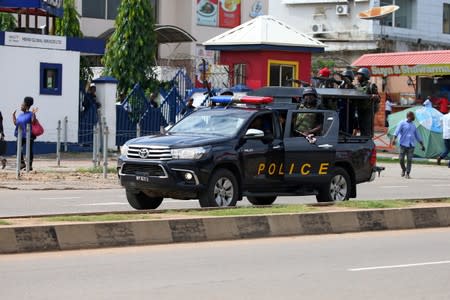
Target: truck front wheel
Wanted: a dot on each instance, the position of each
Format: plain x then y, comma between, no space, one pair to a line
262,200
337,189
139,200
222,190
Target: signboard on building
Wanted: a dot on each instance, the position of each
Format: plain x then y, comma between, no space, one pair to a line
17,39
219,13
411,70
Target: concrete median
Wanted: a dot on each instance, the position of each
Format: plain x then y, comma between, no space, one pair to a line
53,237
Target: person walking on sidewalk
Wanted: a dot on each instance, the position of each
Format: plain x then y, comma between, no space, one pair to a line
27,117
445,120
408,137
387,110
2,140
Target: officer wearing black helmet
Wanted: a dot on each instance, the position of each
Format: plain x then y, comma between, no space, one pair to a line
347,77
308,124
366,110
309,100
345,106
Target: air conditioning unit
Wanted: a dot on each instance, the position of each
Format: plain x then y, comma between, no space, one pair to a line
342,9
318,28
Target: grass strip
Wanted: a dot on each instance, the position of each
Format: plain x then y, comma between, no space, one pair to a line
241,211
102,218
376,204
252,210
3,222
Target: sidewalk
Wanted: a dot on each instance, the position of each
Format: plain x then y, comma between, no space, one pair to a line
75,171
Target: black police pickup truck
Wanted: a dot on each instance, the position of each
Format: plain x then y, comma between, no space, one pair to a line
252,148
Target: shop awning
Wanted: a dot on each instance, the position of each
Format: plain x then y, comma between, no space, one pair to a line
424,63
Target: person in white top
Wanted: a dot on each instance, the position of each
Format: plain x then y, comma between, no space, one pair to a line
427,102
387,110
445,121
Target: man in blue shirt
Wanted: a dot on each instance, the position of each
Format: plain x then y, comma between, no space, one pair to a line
408,137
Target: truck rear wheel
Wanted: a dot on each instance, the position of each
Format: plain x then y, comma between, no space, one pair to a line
222,190
338,189
262,200
139,200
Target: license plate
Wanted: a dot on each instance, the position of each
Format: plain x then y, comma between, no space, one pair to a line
142,178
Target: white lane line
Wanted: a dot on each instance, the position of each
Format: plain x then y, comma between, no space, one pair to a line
393,186
103,204
60,198
400,266
441,185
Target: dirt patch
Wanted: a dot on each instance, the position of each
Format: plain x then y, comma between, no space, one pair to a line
38,180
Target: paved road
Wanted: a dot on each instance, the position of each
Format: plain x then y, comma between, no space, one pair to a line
413,264
427,181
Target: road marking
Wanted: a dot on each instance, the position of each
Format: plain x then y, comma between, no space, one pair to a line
60,198
393,186
441,185
400,266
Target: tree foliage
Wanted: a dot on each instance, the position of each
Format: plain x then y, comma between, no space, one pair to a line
318,64
130,53
69,26
7,22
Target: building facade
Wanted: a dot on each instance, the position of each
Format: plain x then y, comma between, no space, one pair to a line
416,25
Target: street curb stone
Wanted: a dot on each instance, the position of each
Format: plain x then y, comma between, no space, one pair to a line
20,239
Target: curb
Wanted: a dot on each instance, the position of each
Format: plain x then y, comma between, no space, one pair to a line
20,239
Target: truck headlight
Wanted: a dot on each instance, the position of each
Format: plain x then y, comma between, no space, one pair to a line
124,149
190,153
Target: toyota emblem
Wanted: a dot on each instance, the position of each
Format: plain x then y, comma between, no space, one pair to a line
143,153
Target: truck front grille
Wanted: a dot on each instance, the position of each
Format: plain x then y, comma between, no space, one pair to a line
150,153
144,170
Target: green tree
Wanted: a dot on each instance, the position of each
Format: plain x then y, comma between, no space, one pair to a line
7,22
318,64
69,26
130,53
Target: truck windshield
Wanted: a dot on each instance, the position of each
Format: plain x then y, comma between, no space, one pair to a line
217,122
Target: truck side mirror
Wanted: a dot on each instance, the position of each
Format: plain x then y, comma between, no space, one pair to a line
254,134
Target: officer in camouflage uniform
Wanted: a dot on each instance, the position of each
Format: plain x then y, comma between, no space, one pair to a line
366,110
307,124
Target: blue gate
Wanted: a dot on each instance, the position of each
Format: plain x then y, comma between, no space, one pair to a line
137,109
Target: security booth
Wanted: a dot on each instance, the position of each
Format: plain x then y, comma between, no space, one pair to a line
408,77
265,52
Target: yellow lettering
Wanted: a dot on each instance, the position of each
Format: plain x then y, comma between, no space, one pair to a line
272,169
291,169
280,170
261,168
303,171
323,170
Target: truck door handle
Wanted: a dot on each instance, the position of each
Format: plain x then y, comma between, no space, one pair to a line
326,146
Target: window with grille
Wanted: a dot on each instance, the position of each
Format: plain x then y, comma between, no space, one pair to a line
239,74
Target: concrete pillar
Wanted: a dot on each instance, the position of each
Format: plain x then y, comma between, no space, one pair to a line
107,95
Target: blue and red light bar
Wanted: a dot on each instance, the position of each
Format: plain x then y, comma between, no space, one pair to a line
226,99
